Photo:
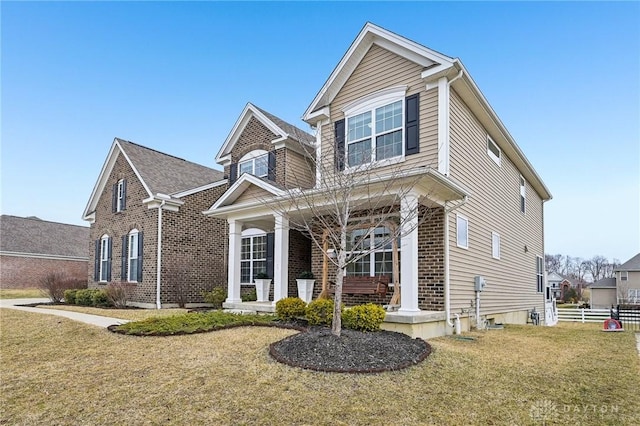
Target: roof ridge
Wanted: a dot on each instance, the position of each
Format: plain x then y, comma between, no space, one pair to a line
154,150
262,110
43,220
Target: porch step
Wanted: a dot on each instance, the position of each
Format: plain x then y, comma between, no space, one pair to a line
249,307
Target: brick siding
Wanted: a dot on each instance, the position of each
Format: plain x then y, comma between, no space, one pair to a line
26,272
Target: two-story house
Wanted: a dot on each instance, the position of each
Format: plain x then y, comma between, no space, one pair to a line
627,278
393,104
147,227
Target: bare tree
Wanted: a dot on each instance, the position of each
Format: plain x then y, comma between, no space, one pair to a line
352,196
553,262
597,266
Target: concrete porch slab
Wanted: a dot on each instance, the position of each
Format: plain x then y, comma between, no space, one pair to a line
414,318
251,306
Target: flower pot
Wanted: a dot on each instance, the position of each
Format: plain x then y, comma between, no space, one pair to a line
305,289
263,286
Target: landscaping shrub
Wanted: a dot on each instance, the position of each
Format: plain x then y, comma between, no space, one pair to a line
54,284
99,299
250,296
216,296
319,312
85,297
364,317
70,296
290,308
118,294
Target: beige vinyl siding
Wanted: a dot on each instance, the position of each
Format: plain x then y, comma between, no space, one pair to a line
253,194
381,69
493,207
299,172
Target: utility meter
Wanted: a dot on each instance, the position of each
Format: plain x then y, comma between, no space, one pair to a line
480,283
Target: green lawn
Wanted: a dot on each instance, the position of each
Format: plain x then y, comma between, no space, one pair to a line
56,371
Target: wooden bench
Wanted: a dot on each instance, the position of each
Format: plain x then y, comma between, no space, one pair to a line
363,285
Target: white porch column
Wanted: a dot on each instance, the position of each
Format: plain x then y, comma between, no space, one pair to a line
280,258
409,250
235,242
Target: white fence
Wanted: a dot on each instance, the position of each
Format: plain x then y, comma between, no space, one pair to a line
583,315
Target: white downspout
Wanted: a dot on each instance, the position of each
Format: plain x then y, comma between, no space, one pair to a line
447,279
159,262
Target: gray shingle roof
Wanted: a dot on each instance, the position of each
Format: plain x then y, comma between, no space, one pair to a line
36,236
292,130
632,264
166,174
604,283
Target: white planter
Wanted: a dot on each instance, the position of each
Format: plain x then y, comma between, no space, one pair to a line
305,289
263,286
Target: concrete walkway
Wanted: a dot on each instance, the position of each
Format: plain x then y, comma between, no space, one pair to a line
96,320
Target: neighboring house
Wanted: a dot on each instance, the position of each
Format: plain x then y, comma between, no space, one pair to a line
628,281
483,198
147,227
554,281
31,248
603,293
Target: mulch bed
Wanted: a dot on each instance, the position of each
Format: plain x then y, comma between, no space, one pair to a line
352,352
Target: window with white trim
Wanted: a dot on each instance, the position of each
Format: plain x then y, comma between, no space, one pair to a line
495,245
104,258
539,274
380,260
253,257
132,255
624,275
633,295
493,150
375,134
120,196
523,195
256,163
462,231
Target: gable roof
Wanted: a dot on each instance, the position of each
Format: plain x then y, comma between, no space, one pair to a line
435,65
604,283
279,127
30,235
632,264
159,173
245,181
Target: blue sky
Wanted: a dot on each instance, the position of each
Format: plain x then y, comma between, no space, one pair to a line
563,77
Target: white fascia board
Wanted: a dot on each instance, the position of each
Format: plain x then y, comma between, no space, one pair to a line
104,176
373,34
91,217
44,256
200,188
318,116
302,148
249,111
164,202
239,186
504,136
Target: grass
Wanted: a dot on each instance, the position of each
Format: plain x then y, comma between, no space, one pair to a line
21,293
127,314
191,323
56,371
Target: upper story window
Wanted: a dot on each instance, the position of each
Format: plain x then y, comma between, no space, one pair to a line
624,275
493,150
256,163
523,195
462,231
119,196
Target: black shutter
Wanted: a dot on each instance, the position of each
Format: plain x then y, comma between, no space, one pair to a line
114,198
96,264
124,265
271,237
339,150
271,173
139,277
109,246
233,173
412,115
124,194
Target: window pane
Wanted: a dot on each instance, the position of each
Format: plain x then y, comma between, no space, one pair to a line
133,246
246,167
260,247
261,166
133,269
259,267
493,148
359,153
359,267
245,272
462,232
359,126
389,145
245,249
389,117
